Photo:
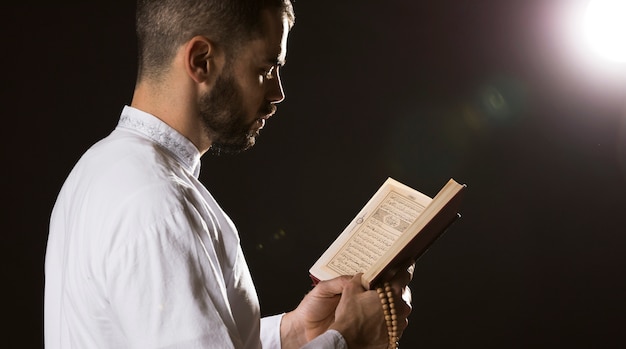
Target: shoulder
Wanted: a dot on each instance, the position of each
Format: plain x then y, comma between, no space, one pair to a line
126,162
126,177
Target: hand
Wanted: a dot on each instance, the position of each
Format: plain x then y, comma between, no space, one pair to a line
359,317
342,304
369,337
402,294
314,314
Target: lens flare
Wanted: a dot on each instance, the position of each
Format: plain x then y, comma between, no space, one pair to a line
605,28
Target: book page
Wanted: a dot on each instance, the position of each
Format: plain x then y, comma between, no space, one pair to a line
396,224
433,221
374,235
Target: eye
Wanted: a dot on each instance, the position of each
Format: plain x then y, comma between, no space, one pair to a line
268,74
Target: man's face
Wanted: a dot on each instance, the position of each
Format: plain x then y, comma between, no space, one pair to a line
245,93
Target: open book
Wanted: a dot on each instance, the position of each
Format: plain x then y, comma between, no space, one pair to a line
396,225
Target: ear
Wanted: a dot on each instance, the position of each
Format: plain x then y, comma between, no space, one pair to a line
200,57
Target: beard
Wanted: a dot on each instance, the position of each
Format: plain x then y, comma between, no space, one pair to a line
225,120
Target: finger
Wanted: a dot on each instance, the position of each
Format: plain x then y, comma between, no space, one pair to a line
402,274
407,296
402,299
331,287
354,285
401,320
396,312
404,307
400,281
411,268
408,266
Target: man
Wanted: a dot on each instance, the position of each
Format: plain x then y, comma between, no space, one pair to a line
139,254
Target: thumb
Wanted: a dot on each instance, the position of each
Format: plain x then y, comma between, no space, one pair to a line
332,287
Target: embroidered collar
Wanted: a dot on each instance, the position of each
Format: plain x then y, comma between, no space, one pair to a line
161,133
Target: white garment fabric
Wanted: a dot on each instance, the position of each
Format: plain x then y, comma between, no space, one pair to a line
330,339
140,255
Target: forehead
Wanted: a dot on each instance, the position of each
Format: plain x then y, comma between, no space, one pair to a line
271,45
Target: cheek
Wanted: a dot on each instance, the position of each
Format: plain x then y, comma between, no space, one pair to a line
251,90
253,96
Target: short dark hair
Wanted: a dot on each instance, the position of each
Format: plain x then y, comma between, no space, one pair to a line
163,25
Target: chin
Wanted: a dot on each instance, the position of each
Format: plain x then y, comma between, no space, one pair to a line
233,148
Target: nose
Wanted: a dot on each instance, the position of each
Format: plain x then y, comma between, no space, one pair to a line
275,93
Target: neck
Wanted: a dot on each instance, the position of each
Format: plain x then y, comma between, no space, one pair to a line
175,107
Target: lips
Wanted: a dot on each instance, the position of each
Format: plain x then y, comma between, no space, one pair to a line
266,113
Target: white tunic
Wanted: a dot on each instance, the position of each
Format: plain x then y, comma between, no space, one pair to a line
140,255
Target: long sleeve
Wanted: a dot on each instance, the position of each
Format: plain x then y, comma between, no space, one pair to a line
270,336
330,339
270,331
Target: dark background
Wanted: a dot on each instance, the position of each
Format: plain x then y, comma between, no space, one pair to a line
500,95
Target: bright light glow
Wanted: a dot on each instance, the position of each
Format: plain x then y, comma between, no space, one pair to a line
605,28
